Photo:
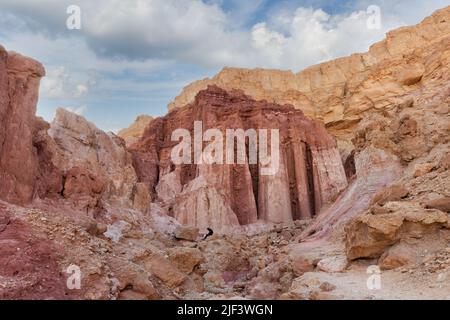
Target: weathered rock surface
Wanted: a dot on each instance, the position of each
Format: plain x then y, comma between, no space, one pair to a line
392,193
391,145
185,259
310,171
333,264
19,85
442,204
369,235
50,182
375,169
411,61
162,268
410,216
83,188
135,130
186,233
96,165
70,158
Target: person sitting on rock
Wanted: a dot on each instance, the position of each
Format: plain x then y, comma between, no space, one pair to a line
210,233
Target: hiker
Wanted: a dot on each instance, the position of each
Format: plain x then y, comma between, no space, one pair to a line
210,233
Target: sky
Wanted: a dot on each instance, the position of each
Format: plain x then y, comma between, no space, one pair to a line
132,57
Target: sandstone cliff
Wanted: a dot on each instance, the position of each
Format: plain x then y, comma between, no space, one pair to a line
310,170
96,165
19,161
135,130
410,62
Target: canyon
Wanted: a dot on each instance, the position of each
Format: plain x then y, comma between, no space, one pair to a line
363,179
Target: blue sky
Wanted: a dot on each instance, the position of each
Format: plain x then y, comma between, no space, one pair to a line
133,57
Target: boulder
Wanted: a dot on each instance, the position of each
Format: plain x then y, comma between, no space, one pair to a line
133,280
333,264
398,256
301,265
186,233
368,236
185,259
161,268
392,193
421,169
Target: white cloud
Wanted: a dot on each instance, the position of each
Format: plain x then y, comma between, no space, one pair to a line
79,111
81,89
202,33
60,84
142,52
310,36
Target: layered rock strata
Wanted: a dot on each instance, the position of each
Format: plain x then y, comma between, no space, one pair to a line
310,172
135,130
411,61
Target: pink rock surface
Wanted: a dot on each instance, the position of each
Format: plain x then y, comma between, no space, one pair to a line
220,195
19,84
29,263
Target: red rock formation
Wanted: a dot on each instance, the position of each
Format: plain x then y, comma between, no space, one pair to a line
135,130
19,83
310,169
83,188
49,179
36,157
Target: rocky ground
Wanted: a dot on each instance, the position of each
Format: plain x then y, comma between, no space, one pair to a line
132,264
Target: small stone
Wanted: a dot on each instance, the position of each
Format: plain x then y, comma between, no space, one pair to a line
327,287
333,264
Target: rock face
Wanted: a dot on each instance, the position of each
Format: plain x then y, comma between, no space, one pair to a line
186,233
369,235
135,130
96,165
310,171
49,177
411,61
19,85
408,218
375,169
409,143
